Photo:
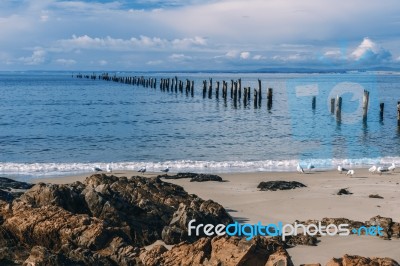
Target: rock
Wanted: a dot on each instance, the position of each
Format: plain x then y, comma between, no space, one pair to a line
375,196
11,189
305,240
384,222
193,177
153,256
41,256
349,260
227,251
344,191
206,177
279,185
102,221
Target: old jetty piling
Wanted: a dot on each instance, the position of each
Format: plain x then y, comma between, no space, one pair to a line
381,109
217,90
365,104
338,108
313,102
210,89
398,113
332,105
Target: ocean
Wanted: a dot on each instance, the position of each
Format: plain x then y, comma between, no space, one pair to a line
53,123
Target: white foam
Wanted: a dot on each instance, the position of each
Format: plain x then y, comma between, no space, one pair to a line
36,170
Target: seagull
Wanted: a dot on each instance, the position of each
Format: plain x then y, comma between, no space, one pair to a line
392,167
142,170
381,170
96,169
341,169
166,170
109,168
372,169
350,173
300,169
310,167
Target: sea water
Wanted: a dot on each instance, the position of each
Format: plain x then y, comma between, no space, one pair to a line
53,123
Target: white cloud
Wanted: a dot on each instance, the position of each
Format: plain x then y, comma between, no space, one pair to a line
258,57
154,62
179,57
244,55
38,57
103,62
66,62
333,54
369,51
116,44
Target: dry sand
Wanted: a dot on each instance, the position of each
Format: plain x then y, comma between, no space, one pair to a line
240,196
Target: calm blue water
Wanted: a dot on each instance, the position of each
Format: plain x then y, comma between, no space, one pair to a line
52,123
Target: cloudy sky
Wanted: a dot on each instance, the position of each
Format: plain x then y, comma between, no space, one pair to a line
198,35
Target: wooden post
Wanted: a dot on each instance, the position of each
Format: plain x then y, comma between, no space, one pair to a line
332,105
365,104
259,92
255,98
338,108
204,88
192,89
217,90
210,89
235,91
231,88
314,100
245,96
398,113
240,88
269,98
381,108
176,84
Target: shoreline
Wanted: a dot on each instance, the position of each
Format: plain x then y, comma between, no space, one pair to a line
247,204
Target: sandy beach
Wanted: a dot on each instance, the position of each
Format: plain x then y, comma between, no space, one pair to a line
245,203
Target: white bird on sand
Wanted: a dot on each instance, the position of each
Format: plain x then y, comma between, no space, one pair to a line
166,170
109,168
392,167
350,173
310,167
142,170
372,169
300,169
96,169
381,170
341,169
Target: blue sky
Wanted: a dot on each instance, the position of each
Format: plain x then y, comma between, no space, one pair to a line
198,35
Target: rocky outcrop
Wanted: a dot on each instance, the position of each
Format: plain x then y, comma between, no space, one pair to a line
279,185
11,189
193,177
349,260
104,220
344,191
221,251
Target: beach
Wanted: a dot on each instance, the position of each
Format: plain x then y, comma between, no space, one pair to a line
239,195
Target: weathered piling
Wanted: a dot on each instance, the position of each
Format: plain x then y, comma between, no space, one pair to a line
224,89
255,98
313,102
240,88
231,88
269,98
235,91
365,104
338,108
398,113
176,84
210,89
217,90
204,88
332,105
259,92
192,88
245,96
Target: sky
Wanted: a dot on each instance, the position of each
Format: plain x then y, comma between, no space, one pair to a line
196,35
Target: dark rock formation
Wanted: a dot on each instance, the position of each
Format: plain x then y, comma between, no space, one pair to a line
11,189
221,251
279,185
344,191
348,260
375,196
103,221
193,177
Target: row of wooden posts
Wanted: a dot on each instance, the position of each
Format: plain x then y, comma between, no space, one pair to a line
236,92
176,85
